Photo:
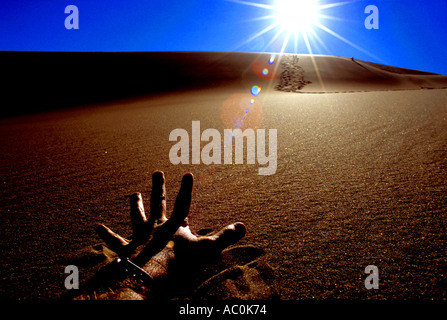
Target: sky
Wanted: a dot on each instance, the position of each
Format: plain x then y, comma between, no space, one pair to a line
411,33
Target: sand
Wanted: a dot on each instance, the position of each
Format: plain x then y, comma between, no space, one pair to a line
360,180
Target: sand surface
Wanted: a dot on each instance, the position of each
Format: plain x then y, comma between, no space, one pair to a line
361,178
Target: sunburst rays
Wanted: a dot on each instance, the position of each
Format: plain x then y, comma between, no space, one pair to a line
289,33
285,33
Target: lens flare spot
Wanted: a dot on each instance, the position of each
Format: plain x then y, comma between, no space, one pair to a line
272,58
255,90
241,111
263,69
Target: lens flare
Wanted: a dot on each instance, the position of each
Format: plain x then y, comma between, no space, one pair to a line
255,90
262,67
241,111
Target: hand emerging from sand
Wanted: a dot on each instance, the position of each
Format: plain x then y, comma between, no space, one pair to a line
153,234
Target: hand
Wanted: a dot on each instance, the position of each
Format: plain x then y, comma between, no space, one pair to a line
151,235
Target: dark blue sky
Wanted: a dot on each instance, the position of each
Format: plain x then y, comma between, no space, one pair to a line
411,34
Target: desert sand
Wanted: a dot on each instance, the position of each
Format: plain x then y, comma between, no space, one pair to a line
360,180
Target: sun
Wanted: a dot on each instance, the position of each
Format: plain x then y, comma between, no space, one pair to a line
297,23
296,16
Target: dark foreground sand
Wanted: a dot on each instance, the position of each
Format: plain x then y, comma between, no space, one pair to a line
361,180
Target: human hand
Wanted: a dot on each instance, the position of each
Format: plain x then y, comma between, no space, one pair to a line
151,235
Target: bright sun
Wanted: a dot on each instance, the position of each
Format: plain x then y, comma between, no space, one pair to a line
294,22
296,16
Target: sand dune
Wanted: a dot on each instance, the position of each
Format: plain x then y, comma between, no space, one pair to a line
53,80
345,74
360,180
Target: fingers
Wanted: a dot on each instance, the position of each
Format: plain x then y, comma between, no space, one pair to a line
158,197
181,206
230,235
192,249
165,232
114,241
226,237
138,218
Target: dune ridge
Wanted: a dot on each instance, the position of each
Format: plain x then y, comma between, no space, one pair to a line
53,80
339,74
